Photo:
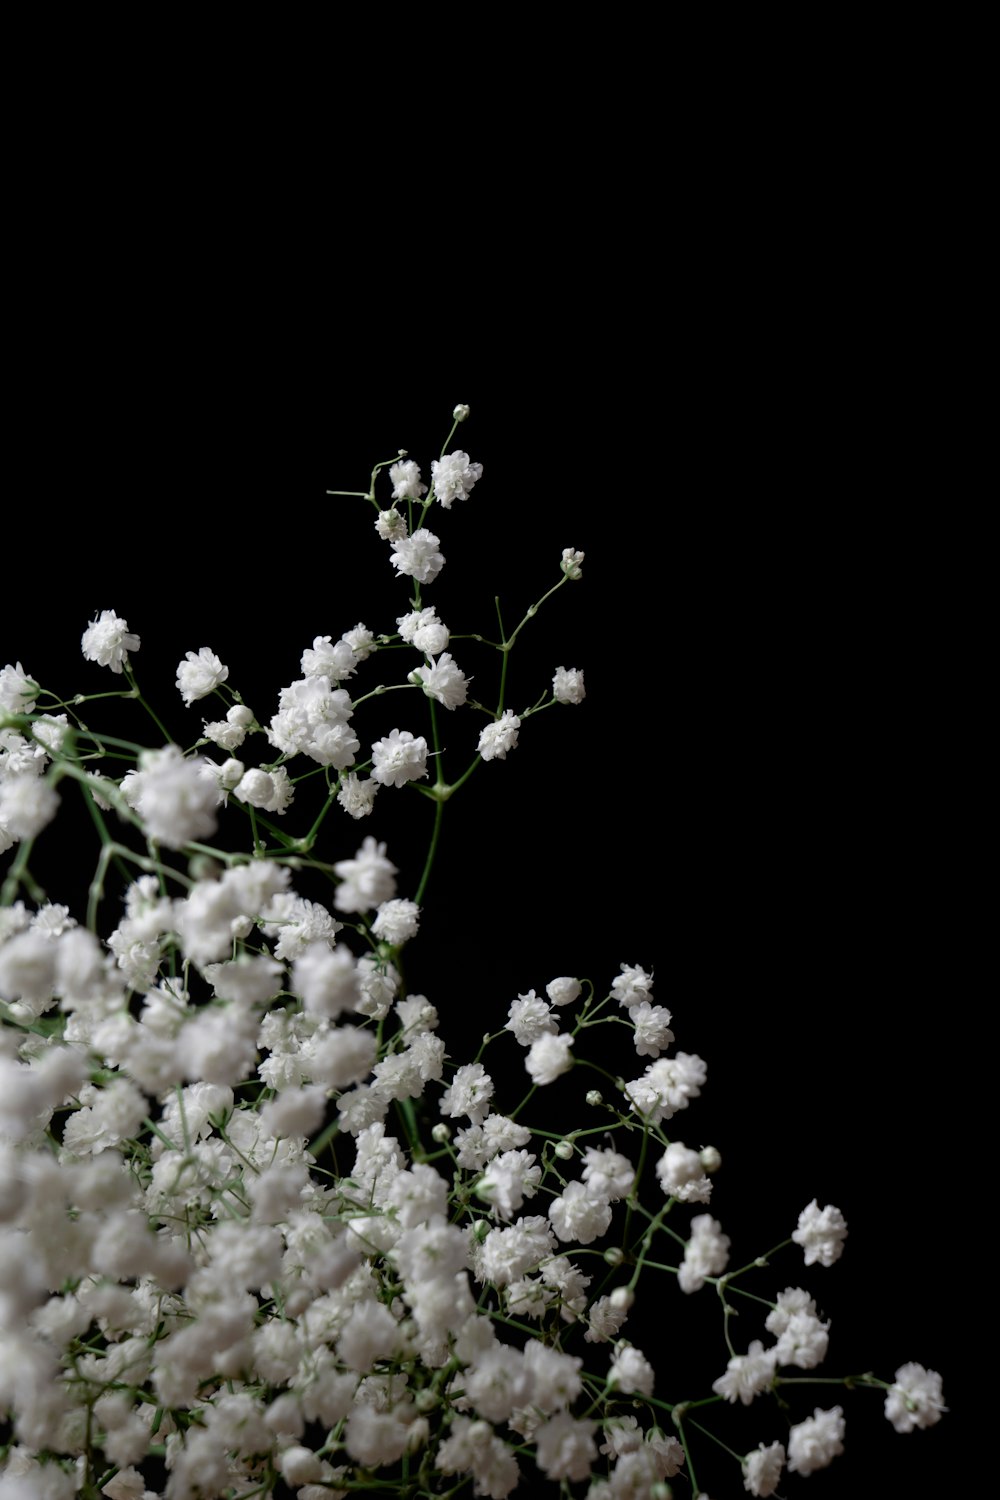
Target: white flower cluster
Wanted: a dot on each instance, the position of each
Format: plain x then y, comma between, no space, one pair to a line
215,1247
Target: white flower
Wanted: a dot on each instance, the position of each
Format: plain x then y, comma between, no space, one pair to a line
916,1399
357,797
681,1174
746,1374
608,1172
631,1371
564,990
444,681
417,556
565,1447
453,477
423,629
706,1253
27,804
763,1469
632,986
176,798
461,412
567,685
803,1341
815,1442
405,478
496,739
571,560
580,1213
530,1018
652,1028
107,641
17,692
390,525
230,732
324,659
197,676
399,758
470,1094
549,1056
397,921
368,879
821,1233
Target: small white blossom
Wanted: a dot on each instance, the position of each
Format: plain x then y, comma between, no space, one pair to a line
916,1399
816,1442
107,641
27,804
198,675
399,758
405,478
567,685
444,681
357,798
423,629
461,412
821,1233
530,1018
706,1253
470,1093
563,991
496,739
580,1214
453,477
397,921
176,798
230,732
571,560
763,1469
417,556
746,1374
548,1057
17,691
391,526
631,1372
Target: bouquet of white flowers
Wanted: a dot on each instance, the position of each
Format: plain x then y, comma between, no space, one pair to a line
266,1229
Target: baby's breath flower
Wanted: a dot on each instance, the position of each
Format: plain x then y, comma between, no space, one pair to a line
821,1233
198,675
567,685
496,739
107,641
418,556
405,478
453,477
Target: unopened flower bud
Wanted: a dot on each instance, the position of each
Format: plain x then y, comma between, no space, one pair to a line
460,413
710,1158
425,1400
622,1298
482,1229
595,1097
231,774
613,1255
299,1465
661,1491
441,1133
401,452
564,1150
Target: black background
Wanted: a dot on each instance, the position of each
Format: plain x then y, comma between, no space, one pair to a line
749,802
